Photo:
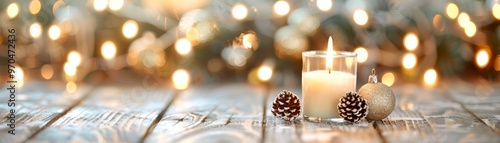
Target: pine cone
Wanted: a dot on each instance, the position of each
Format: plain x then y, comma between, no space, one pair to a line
286,106
352,107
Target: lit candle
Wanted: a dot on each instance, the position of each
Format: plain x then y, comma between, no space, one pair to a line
324,84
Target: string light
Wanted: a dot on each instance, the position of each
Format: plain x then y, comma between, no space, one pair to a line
430,77
497,63
69,69
324,5
362,54
438,23
35,6
100,5
71,87
265,73
411,41
54,32
470,29
180,79
463,19
495,10
116,4
281,8
409,61
74,58
482,58
239,11
250,41
57,5
360,17
19,76
183,46
388,79
47,71
13,10
130,29
35,30
108,50
452,10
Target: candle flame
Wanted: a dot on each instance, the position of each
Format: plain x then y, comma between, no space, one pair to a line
329,54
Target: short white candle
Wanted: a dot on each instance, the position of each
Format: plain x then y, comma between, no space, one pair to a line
322,90
326,77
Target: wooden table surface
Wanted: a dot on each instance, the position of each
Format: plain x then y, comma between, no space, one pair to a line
238,112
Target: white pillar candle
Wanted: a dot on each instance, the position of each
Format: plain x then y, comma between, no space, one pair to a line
326,77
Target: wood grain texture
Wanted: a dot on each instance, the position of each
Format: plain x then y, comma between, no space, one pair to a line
238,112
424,115
221,113
110,114
482,100
37,103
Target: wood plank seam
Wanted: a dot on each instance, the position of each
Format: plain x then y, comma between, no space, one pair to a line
159,117
267,91
229,120
447,95
66,111
379,132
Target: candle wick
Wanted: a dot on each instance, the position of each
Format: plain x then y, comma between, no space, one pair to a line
329,71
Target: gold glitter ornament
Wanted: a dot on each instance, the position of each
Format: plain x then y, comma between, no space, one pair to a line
379,97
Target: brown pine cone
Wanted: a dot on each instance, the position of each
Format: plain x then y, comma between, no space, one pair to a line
286,106
352,107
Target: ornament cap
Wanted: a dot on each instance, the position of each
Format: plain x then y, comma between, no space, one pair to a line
373,77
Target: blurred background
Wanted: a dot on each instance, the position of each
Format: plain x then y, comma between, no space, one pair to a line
190,42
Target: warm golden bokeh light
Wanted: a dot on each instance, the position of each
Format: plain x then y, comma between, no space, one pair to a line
71,87
35,6
409,61
69,69
360,17
183,46
495,10
19,76
497,63
470,29
411,41
463,19
74,58
100,5
482,58
57,5
281,8
438,23
180,79
116,4
54,32
35,30
362,54
250,41
239,11
265,73
108,50
452,10
13,10
388,79
430,77
324,5
130,29
47,71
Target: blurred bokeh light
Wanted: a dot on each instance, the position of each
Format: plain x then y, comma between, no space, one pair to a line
108,50
12,10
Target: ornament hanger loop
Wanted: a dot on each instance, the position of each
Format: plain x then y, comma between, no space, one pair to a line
373,77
